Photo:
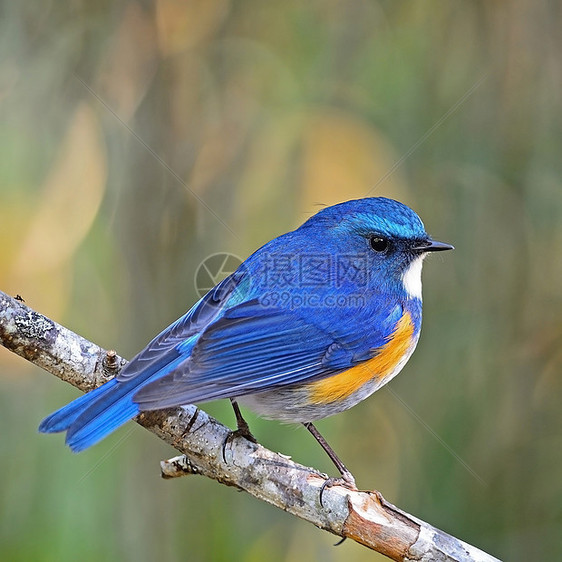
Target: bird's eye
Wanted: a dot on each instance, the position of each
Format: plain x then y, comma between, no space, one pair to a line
379,244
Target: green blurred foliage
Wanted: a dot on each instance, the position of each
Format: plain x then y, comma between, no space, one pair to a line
137,138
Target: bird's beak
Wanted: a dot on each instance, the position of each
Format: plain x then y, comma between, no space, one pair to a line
430,245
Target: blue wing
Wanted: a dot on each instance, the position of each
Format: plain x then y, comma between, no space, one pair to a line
225,346
252,348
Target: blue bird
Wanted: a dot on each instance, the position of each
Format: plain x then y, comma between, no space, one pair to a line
309,325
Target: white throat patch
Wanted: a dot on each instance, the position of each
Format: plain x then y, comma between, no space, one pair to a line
412,278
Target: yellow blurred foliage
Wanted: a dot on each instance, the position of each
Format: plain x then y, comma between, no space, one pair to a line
68,203
344,157
182,25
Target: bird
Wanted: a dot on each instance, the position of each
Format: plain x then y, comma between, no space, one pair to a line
308,326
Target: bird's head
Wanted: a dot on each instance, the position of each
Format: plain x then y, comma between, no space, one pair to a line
389,234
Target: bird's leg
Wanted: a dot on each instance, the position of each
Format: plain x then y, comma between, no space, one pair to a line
346,475
243,429
347,478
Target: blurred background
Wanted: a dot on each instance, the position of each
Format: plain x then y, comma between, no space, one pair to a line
137,138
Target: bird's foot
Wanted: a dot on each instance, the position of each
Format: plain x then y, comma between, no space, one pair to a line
346,479
242,431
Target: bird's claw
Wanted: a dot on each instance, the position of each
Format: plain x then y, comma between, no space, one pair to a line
242,431
346,479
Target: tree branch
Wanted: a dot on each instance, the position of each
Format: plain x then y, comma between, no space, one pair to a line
365,517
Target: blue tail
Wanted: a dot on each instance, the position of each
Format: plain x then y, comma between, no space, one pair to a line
93,416
63,418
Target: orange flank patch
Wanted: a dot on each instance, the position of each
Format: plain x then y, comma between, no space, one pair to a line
388,357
